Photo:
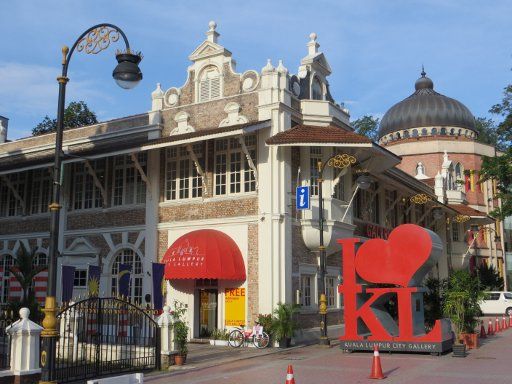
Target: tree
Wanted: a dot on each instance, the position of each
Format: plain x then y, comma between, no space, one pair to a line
486,131
24,271
77,114
367,126
499,168
490,279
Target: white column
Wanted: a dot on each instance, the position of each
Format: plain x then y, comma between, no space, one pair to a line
165,323
25,336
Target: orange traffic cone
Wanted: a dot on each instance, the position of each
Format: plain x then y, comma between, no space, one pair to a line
497,325
289,375
503,323
482,331
376,367
489,328
510,321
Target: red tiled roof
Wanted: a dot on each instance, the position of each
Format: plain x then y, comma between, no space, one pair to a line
313,134
467,210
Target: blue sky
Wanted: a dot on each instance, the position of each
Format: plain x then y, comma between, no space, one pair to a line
375,49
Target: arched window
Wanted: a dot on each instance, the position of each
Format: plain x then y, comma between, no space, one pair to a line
452,131
209,84
6,261
434,131
460,132
131,258
414,133
406,134
459,176
398,135
317,90
424,132
443,131
40,259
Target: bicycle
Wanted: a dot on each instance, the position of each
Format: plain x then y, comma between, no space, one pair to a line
256,335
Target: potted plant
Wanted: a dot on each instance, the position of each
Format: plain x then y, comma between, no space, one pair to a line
266,322
461,306
219,337
284,324
180,341
180,329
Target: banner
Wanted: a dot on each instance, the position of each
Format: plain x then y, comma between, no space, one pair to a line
158,275
68,279
93,280
123,280
234,299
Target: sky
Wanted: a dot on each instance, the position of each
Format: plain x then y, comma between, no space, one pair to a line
375,48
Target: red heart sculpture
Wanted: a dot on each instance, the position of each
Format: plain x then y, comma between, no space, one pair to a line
396,260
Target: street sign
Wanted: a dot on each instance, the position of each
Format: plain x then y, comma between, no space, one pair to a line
302,201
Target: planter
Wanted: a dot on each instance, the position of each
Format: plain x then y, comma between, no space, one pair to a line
285,342
222,343
459,350
469,339
180,359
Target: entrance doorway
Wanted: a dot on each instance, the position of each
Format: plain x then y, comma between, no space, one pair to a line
207,311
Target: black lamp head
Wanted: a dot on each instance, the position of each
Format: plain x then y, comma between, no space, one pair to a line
127,73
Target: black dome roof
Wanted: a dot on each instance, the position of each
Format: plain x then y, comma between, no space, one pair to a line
426,108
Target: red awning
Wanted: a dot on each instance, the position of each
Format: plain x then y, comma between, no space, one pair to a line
204,254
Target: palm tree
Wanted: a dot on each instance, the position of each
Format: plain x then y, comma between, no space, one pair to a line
24,271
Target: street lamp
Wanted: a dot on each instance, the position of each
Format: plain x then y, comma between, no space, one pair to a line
127,75
339,161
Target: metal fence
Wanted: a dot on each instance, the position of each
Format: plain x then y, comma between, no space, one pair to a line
104,336
6,318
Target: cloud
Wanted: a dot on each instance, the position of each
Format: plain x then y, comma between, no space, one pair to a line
31,90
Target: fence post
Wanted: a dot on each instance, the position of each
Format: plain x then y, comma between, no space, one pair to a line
167,352
24,335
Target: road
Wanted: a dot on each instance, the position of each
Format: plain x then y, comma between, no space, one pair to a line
489,364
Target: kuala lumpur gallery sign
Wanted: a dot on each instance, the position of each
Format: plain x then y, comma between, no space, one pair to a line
379,271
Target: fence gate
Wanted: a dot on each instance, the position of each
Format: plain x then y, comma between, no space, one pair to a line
105,336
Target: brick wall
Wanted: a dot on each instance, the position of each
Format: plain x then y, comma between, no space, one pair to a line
24,225
209,209
209,114
107,218
252,274
433,163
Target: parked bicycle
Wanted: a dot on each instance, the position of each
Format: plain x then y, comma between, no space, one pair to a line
241,335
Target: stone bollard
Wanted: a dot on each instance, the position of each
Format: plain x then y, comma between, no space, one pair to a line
25,335
165,322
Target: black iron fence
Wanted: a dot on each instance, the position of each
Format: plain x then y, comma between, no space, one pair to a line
6,318
104,336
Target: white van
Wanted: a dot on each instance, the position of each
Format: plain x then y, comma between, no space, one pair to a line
497,303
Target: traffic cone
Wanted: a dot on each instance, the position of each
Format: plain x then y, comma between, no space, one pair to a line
376,367
510,321
489,328
482,331
503,323
289,375
497,325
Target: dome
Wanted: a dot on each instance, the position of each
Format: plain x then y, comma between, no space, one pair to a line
426,108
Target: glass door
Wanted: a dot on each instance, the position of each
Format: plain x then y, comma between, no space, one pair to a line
207,311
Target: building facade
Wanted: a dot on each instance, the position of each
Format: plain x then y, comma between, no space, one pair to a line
205,182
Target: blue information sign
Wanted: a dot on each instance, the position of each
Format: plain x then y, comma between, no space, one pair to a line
302,201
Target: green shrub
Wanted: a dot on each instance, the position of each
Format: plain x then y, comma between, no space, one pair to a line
283,322
462,296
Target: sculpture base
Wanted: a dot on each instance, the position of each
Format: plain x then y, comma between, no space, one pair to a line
397,346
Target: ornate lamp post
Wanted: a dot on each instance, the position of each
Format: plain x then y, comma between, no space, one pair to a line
127,75
339,161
